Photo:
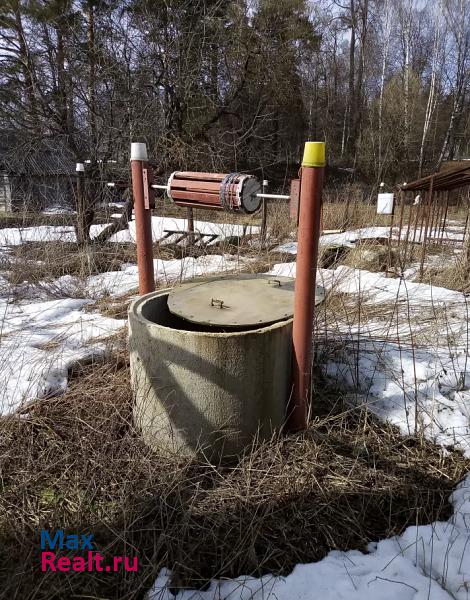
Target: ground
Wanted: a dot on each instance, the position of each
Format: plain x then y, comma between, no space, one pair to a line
355,507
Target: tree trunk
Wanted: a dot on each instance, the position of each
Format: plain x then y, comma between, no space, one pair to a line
431,103
352,53
28,72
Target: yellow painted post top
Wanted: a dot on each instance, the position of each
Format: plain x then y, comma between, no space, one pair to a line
314,154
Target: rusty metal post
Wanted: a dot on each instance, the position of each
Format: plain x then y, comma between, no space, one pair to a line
466,220
434,206
389,253
437,223
190,215
441,215
444,220
81,231
407,236
426,230
294,200
424,212
143,223
400,224
418,208
80,170
308,236
264,215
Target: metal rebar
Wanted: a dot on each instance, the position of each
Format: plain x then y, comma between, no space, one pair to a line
400,223
407,236
424,243
444,220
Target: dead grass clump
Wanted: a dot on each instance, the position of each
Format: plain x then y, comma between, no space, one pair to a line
78,463
280,223
371,256
454,276
35,262
109,306
34,219
344,214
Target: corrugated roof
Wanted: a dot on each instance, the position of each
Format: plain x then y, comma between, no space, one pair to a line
449,179
35,157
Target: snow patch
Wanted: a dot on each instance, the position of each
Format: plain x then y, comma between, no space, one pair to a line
427,562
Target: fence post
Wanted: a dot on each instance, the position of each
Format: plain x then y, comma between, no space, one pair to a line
143,223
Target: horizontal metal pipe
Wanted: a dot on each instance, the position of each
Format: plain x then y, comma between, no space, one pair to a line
273,196
156,186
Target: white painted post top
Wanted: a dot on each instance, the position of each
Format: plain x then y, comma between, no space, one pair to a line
80,167
139,151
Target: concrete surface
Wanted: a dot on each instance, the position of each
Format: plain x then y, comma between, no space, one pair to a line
203,392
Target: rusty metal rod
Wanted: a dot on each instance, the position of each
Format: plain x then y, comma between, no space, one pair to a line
415,222
389,255
143,223
424,212
444,220
400,224
407,236
437,224
305,283
264,215
190,215
426,230
466,220
441,215
434,207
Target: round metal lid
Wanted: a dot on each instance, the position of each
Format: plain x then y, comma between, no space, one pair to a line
239,301
248,198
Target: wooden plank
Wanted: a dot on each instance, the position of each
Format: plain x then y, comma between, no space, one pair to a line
195,197
199,176
200,205
191,184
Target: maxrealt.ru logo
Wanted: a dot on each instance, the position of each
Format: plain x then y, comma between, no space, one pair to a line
86,559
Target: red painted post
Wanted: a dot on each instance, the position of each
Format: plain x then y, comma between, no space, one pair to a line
308,236
143,223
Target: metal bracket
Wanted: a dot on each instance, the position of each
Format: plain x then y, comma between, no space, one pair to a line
145,177
216,302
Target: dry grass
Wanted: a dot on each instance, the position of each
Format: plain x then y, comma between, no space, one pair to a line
453,270
352,215
78,463
371,257
455,276
44,261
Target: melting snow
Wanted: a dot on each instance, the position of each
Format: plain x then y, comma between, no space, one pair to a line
40,341
427,562
14,236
